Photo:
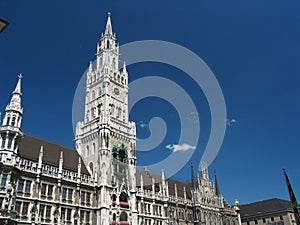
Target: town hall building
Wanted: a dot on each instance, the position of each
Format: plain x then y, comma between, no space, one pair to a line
97,183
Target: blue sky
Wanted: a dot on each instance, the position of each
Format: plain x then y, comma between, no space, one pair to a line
252,47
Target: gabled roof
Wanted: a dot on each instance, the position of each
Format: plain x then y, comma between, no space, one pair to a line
265,207
29,148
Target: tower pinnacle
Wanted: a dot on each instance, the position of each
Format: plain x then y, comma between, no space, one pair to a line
15,102
108,29
18,86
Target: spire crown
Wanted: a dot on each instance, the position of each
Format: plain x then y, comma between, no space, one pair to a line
217,189
108,29
15,101
18,86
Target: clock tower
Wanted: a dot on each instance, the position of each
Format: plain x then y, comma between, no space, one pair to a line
105,139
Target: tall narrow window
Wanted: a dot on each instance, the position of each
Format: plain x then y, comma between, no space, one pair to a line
3,180
18,207
81,216
107,44
93,95
50,190
114,63
69,214
42,210
99,109
112,110
20,185
87,217
93,112
8,120
88,115
94,149
13,122
3,141
48,212
9,141
63,214
25,208
70,194
91,167
64,193
82,197
27,186
88,197
87,150
43,190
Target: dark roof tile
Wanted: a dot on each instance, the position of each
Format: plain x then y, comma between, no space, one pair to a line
29,148
265,207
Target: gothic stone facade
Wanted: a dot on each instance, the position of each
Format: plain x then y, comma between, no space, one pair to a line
45,183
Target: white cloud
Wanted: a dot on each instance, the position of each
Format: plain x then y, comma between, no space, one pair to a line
142,124
230,122
183,147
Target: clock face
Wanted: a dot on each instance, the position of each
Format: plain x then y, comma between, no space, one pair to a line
116,91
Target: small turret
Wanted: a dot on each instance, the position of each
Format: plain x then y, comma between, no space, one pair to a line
60,165
10,131
40,162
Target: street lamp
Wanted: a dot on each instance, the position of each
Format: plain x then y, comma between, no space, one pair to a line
3,24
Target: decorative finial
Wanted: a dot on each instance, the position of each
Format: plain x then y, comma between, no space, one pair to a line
236,202
108,14
20,76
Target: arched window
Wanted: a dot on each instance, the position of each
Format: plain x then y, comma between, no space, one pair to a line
123,197
91,166
99,91
107,44
122,79
114,217
119,113
119,78
123,216
87,150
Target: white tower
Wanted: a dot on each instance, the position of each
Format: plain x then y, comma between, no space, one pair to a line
106,140
10,130
10,136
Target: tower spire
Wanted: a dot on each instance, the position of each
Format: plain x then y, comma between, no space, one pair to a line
15,102
217,185
292,197
108,28
10,131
